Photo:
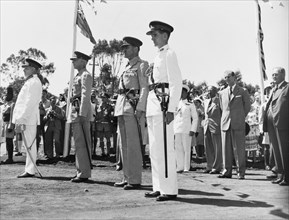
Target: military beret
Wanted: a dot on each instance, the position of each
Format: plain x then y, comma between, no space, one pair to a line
131,41
79,55
32,63
159,26
186,87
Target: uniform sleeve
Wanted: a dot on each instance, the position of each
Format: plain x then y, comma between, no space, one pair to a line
194,116
143,86
174,80
86,87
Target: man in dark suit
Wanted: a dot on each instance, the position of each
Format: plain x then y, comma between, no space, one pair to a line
212,131
235,105
277,118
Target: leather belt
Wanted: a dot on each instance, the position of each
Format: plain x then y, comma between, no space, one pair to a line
158,86
132,91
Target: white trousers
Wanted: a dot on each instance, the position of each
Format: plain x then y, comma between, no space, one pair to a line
183,151
165,185
30,136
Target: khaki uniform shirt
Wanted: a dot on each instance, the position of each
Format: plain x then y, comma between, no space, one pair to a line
82,85
133,77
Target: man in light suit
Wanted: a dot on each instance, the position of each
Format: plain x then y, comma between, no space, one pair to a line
235,105
165,78
212,132
80,116
26,112
276,122
130,110
185,126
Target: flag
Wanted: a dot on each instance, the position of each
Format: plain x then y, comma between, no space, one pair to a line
260,39
83,25
91,3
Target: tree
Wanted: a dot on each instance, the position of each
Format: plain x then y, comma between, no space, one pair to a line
11,72
109,53
109,58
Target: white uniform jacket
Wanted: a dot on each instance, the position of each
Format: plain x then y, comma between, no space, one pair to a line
166,70
186,118
26,110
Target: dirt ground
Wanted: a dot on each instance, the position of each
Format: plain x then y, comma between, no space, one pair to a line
201,196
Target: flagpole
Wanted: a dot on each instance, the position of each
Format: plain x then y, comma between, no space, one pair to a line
259,51
67,125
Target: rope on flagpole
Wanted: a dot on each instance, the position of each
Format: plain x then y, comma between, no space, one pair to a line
261,52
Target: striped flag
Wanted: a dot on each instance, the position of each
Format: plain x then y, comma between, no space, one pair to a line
260,39
83,25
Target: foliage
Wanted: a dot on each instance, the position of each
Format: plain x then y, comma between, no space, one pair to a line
106,82
109,59
109,53
11,71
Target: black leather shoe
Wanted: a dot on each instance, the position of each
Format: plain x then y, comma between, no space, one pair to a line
193,168
224,176
277,181
272,176
214,172
25,175
152,194
121,184
241,177
78,180
131,186
166,197
284,183
8,161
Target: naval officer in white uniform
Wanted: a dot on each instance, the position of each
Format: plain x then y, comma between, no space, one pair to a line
164,77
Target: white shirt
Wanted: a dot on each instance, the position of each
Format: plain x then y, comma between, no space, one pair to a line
166,70
186,118
26,110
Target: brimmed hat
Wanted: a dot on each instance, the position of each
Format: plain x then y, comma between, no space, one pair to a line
159,26
32,63
131,41
79,55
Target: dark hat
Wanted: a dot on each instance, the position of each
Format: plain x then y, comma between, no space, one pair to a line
104,95
159,26
131,41
32,63
79,55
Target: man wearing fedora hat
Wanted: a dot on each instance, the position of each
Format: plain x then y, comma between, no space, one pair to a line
165,80
26,112
80,116
130,111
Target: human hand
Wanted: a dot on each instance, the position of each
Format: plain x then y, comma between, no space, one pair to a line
138,114
169,117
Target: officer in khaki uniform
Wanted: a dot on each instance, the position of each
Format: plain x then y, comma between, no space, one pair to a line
80,116
130,109
164,78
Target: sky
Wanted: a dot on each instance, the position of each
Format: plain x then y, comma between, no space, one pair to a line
209,36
